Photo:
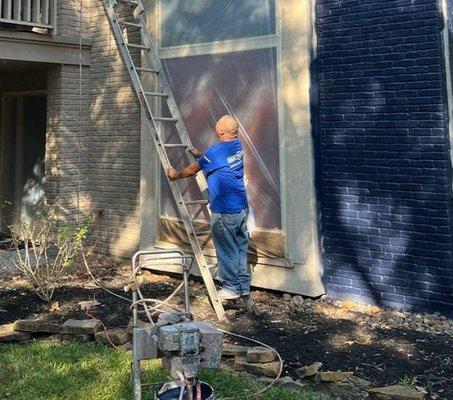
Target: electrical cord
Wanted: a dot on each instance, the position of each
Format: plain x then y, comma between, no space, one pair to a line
97,281
143,301
260,392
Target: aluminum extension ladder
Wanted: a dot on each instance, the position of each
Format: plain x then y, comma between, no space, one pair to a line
154,67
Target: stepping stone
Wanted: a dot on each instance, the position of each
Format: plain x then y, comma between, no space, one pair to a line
309,370
395,392
8,334
234,350
89,326
260,355
28,325
330,376
268,369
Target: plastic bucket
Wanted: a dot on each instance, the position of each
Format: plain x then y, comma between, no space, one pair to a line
207,393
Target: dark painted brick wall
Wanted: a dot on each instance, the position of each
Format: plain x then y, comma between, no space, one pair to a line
385,181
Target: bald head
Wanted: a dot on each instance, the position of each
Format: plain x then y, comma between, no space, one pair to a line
227,128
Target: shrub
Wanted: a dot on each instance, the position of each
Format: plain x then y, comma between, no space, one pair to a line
46,250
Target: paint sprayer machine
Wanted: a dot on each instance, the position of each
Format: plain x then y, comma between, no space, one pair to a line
185,346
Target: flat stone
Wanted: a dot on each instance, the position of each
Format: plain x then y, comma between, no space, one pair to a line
374,310
360,382
268,369
8,334
395,392
79,337
341,390
28,325
232,350
298,300
116,336
260,355
309,370
331,376
87,326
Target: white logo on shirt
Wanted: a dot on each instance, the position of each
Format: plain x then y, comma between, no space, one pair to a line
236,159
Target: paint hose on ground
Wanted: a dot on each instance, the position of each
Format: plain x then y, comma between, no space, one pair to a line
162,303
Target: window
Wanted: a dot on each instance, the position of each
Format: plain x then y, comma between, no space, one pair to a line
221,58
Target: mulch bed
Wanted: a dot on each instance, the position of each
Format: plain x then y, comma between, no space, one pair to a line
375,347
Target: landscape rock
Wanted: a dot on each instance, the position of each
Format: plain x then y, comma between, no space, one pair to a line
395,392
116,336
341,390
79,337
298,300
260,355
289,383
331,376
360,382
28,325
286,296
85,326
234,350
270,370
8,334
309,370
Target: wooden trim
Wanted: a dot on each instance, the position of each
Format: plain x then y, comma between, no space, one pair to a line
24,46
219,47
448,77
25,23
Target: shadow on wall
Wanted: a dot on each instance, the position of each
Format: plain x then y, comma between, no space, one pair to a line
384,154
111,136
97,167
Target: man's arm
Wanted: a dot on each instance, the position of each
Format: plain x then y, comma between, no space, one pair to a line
187,172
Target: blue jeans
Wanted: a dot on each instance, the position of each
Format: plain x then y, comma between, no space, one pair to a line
231,241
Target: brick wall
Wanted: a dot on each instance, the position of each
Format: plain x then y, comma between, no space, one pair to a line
93,155
385,178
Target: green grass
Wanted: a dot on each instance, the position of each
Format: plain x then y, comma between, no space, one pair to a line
405,381
44,370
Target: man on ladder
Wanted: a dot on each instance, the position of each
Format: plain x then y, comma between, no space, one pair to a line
223,166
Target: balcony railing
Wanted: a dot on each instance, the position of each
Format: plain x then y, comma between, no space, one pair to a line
31,13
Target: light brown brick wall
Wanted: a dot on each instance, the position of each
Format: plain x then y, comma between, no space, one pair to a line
101,162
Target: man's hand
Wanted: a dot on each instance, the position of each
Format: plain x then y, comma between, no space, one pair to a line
187,172
172,173
195,152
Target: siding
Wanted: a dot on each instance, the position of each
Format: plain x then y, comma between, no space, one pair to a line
385,177
93,158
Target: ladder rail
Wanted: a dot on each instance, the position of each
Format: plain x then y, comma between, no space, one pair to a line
164,86
154,63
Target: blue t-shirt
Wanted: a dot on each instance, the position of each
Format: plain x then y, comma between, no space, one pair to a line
223,164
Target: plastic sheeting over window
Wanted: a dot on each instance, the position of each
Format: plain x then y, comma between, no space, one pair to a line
237,78
201,21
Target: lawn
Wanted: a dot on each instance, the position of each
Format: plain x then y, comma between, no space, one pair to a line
50,370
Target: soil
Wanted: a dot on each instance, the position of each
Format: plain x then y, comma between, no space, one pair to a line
381,346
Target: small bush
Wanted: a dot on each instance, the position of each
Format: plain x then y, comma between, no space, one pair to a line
46,250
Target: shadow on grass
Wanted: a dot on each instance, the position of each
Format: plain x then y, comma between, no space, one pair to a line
73,371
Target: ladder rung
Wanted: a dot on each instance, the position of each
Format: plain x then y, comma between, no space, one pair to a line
151,71
202,233
195,202
131,24
157,94
165,119
137,46
133,2
175,145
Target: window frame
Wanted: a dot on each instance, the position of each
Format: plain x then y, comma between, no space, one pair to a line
272,41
